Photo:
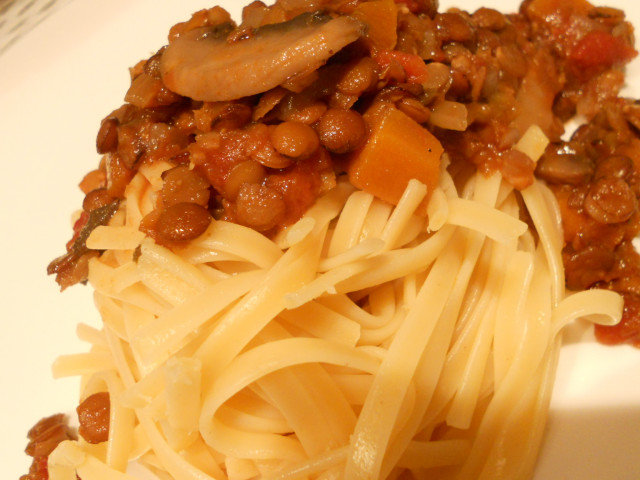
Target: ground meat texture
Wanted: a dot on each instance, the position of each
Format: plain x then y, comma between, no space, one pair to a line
93,415
181,222
294,139
341,131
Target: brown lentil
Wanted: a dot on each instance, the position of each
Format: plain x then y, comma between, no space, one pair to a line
96,198
615,166
452,26
118,175
564,168
248,171
301,108
610,200
93,415
182,222
438,78
235,115
182,184
259,206
341,131
294,139
92,180
489,18
107,139
260,148
361,76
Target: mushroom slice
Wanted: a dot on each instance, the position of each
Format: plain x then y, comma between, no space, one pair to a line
204,65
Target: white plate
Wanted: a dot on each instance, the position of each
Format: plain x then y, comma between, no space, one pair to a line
56,84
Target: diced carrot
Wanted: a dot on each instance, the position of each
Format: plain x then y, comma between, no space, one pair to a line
397,150
380,16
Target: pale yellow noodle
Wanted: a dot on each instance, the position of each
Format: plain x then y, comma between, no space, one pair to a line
363,342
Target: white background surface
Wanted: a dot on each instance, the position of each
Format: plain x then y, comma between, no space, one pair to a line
56,84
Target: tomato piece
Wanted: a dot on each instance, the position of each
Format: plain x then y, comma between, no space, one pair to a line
414,66
628,330
299,186
598,50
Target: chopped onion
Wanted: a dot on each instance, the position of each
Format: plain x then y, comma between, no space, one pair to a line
449,115
533,143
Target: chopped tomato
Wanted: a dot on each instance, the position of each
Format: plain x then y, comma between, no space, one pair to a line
414,66
598,50
628,330
39,469
299,186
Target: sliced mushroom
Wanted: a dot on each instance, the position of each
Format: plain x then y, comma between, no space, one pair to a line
206,66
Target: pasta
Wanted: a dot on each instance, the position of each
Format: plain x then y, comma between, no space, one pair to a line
338,241
408,350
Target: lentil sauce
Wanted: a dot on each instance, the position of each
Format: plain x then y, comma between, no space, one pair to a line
476,81
44,437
